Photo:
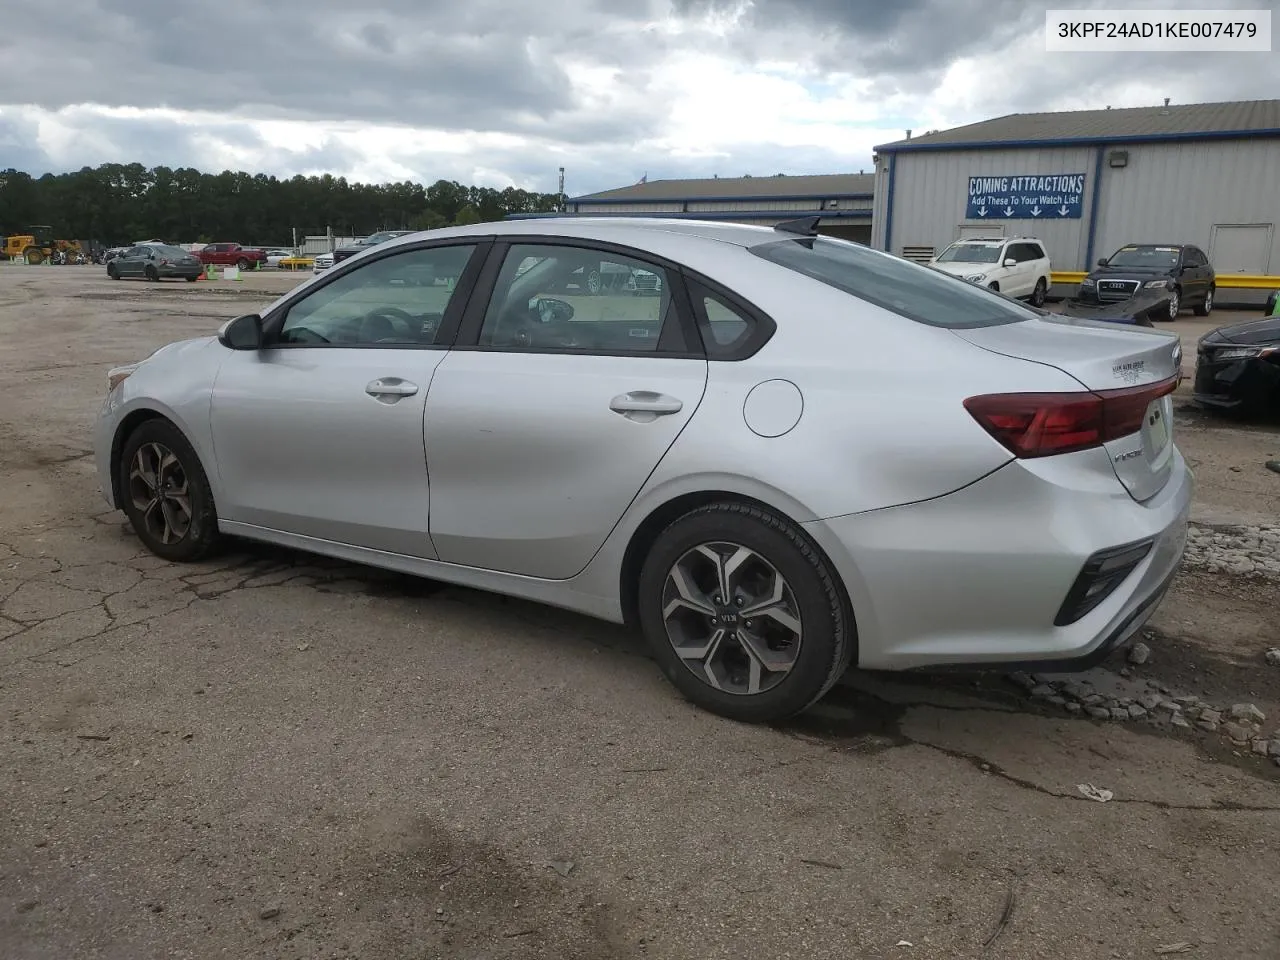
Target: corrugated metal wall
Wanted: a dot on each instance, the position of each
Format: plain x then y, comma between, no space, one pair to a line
1172,193
931,189
1177,192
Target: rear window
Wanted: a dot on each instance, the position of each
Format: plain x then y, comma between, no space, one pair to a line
918,293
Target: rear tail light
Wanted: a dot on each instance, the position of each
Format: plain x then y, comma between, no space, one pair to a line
1046,424
164,262
1102,573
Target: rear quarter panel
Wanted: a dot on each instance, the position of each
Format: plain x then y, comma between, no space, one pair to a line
883,420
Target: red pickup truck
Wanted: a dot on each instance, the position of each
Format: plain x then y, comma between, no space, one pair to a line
233,255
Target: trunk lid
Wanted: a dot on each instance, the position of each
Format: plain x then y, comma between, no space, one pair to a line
1104,357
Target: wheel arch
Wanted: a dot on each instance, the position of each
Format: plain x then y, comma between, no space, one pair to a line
664,514
134,419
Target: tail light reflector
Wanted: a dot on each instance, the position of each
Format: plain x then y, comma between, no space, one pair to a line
1046,424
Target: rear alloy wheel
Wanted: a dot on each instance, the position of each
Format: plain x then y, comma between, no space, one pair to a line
1205,308
166,494
1039,293
743,614
242,264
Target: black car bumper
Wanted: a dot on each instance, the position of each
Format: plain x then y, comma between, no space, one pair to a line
1248,382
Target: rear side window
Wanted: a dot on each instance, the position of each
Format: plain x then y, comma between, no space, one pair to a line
918,293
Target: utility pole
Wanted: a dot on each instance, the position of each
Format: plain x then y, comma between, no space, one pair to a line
560,198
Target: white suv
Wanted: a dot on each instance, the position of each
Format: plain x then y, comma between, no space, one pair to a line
1017,266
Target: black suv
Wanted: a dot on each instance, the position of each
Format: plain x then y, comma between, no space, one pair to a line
1179,268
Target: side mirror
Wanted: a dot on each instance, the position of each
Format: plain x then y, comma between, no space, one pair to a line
1102,262
242,333
550,310
1010,262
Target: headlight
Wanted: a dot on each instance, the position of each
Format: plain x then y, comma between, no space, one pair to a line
118,375
1241,353
1086,282
976,277
1156,284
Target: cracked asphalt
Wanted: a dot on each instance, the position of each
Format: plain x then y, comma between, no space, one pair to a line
274,755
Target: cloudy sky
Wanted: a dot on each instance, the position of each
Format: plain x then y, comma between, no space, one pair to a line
502,92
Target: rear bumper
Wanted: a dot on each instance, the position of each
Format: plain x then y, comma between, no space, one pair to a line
976,578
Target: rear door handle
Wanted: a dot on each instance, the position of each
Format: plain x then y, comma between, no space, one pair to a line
645,401
390,388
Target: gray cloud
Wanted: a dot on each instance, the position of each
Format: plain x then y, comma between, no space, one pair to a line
506,67
483,65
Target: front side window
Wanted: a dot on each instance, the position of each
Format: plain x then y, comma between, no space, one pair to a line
894,284
398,300
552,297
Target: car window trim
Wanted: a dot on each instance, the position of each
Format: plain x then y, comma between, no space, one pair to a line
763,326
449,323
468,337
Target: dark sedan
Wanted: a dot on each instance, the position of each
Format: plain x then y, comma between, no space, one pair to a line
156,261
1238,367
342,253
1179,271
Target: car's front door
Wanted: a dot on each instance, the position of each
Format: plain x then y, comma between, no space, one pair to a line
551,412
320,432
131,262
1022,275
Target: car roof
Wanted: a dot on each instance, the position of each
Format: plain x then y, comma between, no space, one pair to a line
654,233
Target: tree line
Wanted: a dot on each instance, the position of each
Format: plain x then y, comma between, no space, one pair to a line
116,204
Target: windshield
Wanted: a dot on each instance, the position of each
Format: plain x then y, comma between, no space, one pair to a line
382,237
900,286
1145,257
970,253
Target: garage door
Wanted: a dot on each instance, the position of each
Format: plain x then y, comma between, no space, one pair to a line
1241,247
973,231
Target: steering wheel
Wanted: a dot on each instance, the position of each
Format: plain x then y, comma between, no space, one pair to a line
398,319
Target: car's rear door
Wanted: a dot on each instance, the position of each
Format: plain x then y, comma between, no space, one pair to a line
542,429
319,434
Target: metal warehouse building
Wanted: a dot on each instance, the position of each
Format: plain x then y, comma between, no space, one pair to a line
842,200
1087,182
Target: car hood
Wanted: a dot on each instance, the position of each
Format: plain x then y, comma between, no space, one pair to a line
1264,331
964,269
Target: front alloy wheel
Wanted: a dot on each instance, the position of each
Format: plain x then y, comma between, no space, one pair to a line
732,618
1175,303
160,493
165,492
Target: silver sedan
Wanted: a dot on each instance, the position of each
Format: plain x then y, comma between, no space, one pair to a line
788,455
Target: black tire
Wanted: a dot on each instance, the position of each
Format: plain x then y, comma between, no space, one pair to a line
993,285
828,637
1175,306
1205,307
201,534
192,279
111,271
242,264
1039,293
152,275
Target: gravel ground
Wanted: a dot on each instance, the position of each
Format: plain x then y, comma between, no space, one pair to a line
270,755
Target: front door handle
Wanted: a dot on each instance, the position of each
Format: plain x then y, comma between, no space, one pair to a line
645,401
390,389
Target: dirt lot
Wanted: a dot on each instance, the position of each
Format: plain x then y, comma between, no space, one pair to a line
270,755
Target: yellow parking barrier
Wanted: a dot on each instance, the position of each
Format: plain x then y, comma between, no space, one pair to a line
296,263
1233,281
